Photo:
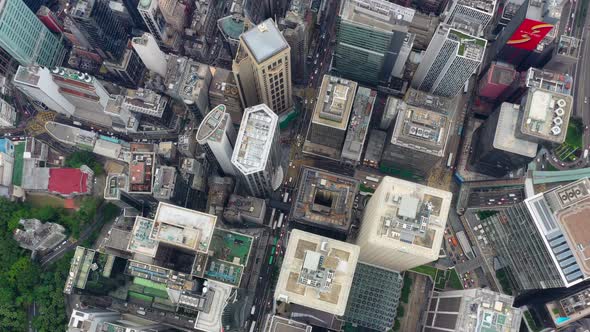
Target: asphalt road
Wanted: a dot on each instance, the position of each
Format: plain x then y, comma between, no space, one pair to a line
582,80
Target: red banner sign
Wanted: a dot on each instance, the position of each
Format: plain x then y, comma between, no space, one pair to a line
529,34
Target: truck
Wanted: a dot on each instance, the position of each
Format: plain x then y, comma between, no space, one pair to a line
450,160
453,241
280,223
253,310
286,197
253,326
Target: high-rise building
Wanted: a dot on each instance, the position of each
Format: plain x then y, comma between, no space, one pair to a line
417,142
188,81
537,78
256,155
257,10
471,310
317,272
295,33
150,54
7,115
26,38
51,21
450,60
231,27
542,242
128,71
496,80
496,149
217,136
403,225
102,29
224,90
469,15
329,122
156,24
262,68
372,40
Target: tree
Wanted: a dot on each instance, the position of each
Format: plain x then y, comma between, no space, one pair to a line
79,158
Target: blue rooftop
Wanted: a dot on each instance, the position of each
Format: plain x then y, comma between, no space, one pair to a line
6,146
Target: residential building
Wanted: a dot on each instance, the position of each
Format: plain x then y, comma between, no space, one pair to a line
256,155
101,28
403,225
372,40
360,118
24,37
6,165
165,34
155,109
224,90
264,58
128,71
89,320
165,183
7,115
496,149
150,53
188,81
450,60
472,310
142,170
544,116
295,33
329,122
549,250
37,236
374,298
497,80
324,202
418,140
217,136
317,272
244,210
569,309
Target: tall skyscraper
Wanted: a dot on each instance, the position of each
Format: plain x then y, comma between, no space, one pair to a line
542,242
129,70
217,136
256,154
450,60
403,225
295,33
496,81
102,29
262,68
26,38
150,54
469,15
372,39
154,19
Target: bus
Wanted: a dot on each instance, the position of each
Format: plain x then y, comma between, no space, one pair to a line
270,260
286,197
272,217
450,160
253,326
281,217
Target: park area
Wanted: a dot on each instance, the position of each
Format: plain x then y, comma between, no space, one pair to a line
442,278
573,146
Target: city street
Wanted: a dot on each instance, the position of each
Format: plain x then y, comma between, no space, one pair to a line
582,80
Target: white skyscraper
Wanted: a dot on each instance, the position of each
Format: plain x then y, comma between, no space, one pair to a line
218,137
450,60
403,225
256,154
148,50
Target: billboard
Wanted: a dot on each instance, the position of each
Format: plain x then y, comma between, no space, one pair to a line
529,34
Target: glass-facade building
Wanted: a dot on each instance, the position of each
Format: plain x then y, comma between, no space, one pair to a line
26,38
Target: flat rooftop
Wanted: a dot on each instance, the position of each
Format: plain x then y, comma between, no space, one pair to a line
245,206
79,269
279,324
549,80
264,40
569,46
486,6
560,215
231,26
255,139
213,125
192,82
71,135
145,99
231,251
184,228
472,310
334,103
428,101
470,47
570,308
164,182
377,14
28,75
324,199
503,74
546,115
421,130
141,171
411,217
360,119
505,138
317,272
141,242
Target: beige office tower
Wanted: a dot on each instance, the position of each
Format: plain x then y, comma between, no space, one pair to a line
403,225
262,68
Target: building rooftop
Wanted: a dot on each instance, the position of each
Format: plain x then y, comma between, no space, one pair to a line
28,75
570,308
141,99
334,103
69,181
255,139
374,297
546,115
193,81
560,215
505,138
83,8
421,130
164,182
7,114
317,272
264,40
184,228
324,199
473,310
279,324
230,252
231,26
141,168
470,47
79,269
502,73
428,101
71,135
548,80
412,217
36,235
362,110
213,125
377,14
140,241
569,46
486,6
375,146
247,206
72,74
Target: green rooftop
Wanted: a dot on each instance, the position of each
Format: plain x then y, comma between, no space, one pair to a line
463,40
17,173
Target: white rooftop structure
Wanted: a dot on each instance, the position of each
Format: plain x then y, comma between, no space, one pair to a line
505,138
255,139
317,272
403,225
545,115
264,40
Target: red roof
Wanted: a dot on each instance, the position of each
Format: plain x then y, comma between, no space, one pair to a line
67,181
